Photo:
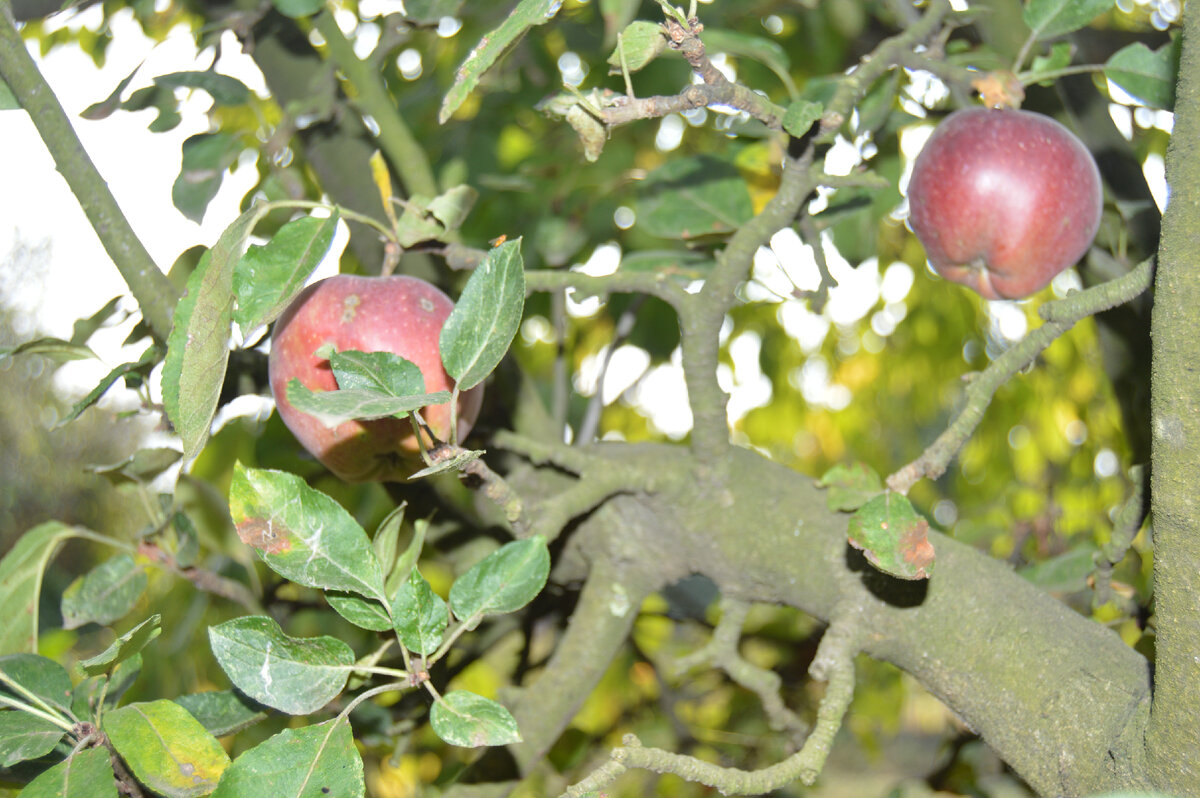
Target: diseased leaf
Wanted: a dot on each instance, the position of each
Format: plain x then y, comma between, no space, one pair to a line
492,46
166,748
691,197
105,594
470,720
893,537
1050,18
302,534
85,774
486,317
310,762
21,573
267,278
504,581
293,675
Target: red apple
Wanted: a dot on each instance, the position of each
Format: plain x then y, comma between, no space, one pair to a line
1003,200
401,315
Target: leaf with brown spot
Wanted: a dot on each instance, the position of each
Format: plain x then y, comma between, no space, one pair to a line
893,536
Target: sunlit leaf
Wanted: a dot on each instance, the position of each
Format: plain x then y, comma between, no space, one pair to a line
267,278
420,614
892,536
504,581
301,533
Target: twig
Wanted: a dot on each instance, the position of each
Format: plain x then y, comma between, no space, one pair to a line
1126,525
834,664
1060,316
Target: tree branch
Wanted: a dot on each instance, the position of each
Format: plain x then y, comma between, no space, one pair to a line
1173,738
150,287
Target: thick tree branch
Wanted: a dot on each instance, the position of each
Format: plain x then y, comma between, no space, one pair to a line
150,287
1173,739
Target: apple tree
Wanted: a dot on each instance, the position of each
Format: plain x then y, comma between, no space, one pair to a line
699,479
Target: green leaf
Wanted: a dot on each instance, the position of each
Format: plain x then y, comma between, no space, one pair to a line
362,612
380,372
106,688
691,197
492,46
166,748
1059,58
310,762
429,12
408,559
222,712
222,88
141,467
759,48
470,720
386,541
206,156
1049,18
268,278
642,42
85,774
21,573
141,366
293,675
486,317
198,346
1065,573
55,349
452,207
105,108
298,8
24,736
682,265
800,116
1149,75
334,407
105,594
301,533
25,675
420,614
504,581
893,537
127,645
850,486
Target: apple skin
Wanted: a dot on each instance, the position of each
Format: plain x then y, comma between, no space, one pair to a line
397,314
1003,200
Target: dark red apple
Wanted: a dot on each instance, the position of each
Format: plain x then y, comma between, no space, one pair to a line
1003,200
401,315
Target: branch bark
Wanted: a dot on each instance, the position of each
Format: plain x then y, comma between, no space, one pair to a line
1173,737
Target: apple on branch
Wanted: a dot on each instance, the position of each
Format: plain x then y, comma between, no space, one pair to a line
1003,200
377,322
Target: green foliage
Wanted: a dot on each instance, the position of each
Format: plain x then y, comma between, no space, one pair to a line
313,624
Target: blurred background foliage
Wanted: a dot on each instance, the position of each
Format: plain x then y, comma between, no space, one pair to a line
873,374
